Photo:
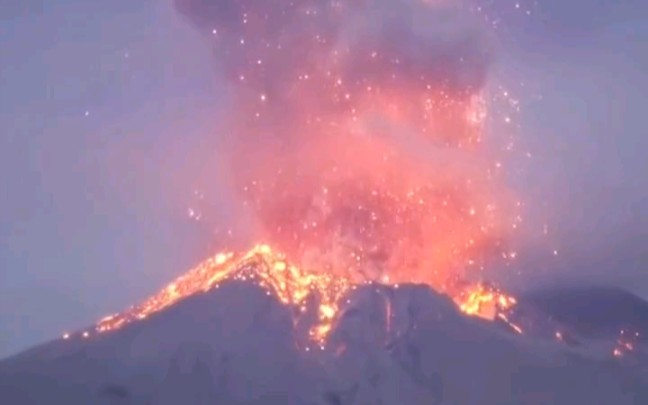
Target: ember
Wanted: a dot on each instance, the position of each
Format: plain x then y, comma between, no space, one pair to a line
626,343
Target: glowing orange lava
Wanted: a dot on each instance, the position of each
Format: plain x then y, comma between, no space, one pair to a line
292,286
488,303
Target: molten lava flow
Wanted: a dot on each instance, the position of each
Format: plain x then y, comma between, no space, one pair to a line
484,301
292,286
488,303
261,264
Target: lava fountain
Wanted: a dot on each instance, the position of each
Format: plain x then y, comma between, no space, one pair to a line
356,134
356,141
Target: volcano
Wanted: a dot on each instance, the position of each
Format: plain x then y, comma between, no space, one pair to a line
242,341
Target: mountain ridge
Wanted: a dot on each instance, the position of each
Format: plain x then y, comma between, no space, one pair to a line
239,344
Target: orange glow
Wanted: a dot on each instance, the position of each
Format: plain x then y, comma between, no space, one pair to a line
361,197
291,286
261,264
484,302
386,176
385,182
358,160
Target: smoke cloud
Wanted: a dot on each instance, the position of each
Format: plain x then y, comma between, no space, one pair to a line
355,132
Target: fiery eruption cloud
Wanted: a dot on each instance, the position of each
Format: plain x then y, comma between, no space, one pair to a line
356,133
356,141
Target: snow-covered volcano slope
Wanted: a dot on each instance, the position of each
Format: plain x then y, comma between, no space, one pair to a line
237,344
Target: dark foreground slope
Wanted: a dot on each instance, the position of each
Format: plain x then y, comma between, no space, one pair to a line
238,345
593,311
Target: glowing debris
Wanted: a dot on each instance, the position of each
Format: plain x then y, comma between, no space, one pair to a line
291,286
626,343
484,301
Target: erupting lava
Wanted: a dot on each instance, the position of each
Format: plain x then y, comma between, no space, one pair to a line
292,286
356,144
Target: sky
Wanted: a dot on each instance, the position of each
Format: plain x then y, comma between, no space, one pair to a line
109,119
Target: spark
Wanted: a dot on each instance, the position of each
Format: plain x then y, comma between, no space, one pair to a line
625,344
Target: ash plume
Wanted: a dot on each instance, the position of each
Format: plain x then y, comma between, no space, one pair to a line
355,132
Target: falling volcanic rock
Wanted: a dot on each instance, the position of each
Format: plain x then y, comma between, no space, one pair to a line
237,344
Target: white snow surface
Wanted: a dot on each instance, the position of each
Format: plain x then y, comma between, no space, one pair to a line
238,345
